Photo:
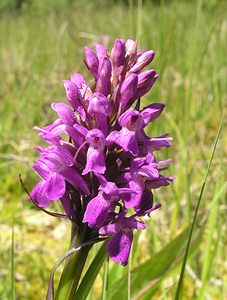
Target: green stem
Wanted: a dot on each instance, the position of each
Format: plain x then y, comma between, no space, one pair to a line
105,280
73,268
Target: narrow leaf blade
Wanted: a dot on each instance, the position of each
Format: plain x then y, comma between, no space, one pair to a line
91,273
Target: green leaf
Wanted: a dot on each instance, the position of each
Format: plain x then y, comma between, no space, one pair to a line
91,274
148,275
105,284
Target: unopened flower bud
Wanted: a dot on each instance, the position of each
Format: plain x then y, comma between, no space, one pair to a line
145,77
131,47
144,89
104,75
77,79
118,52
99,104
128,89
71,93
92,61
144,60
101,51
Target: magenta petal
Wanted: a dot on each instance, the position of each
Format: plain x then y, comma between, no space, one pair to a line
110,188
55,186
95,161
125,138
144,60
147,172
118,52
159,142
132,120
104,75
48,190
65,113
41,168
146,202
92,61
101,51
38,195
95,154
96,139
112,137
67,204
97,211
71,93
99,104
109,229
143,213
119,247
76,180
128,89
77,79
133,199
146,88
134,224
152,112
145,78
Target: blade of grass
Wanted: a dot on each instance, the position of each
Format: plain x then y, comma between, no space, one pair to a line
180,282
209,251
12,273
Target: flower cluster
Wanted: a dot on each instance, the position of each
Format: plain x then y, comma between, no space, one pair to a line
100,162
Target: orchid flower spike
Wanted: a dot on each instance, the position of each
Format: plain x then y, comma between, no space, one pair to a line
100,162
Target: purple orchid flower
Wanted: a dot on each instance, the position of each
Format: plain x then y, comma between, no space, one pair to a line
100,163
55,166
95,154
121,229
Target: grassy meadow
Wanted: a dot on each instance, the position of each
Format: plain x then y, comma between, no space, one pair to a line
40,45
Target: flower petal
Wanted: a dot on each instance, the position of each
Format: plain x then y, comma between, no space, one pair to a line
67,204
110,228
95,161
65,113
97,211
49,190
55,186
119,246
75,179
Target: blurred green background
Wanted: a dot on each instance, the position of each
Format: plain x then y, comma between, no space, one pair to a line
41,43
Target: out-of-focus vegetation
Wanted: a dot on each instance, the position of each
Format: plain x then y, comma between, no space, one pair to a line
41,43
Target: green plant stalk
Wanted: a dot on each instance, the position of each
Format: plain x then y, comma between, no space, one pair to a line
73,268
91,274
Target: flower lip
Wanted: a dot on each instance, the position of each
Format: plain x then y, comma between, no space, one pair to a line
96,139
132,120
